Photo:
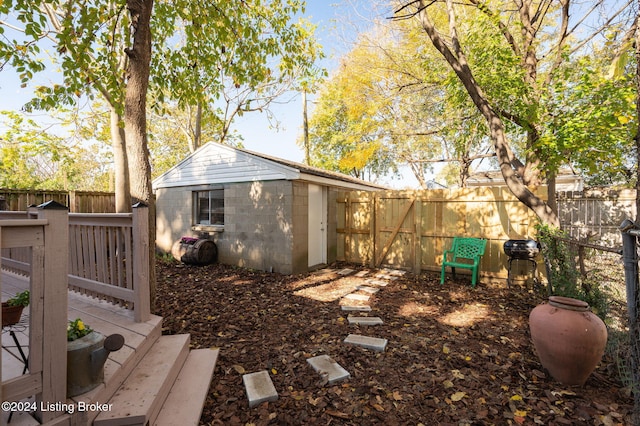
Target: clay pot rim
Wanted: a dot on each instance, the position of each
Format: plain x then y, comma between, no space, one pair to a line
568,303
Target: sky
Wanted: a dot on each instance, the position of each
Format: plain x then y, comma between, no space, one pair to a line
338,24
338,27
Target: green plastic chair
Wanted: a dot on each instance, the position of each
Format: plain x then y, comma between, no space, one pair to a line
465,253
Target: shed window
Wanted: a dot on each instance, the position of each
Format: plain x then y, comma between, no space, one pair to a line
209,207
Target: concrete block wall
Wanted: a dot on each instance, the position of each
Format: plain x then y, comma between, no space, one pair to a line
258,230
173,216
261,235
266,224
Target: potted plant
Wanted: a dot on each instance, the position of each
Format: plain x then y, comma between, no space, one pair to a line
12,308
87,351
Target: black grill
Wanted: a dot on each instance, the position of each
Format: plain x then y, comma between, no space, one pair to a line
522,250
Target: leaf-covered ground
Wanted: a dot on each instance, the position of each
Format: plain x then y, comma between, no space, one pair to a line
456,355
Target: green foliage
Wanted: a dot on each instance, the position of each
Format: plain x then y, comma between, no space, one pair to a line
32,157
77,329
563,275
20,299
591,122
202,52
379,110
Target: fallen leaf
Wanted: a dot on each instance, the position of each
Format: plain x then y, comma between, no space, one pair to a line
458,396
338,414
239,369
457,374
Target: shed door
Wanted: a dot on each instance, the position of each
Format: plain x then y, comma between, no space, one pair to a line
317,225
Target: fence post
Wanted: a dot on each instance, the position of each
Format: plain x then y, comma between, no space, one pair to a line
630,233
54,304
373,230
417,243
141,285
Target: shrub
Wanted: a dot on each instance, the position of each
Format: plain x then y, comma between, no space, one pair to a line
563,275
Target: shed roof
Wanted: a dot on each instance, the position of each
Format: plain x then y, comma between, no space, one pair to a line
215,163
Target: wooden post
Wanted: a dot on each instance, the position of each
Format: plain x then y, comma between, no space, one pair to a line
417,243
141,284
73,202
373,227
54,305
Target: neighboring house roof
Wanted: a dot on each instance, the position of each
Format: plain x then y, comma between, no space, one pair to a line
214,163
566,180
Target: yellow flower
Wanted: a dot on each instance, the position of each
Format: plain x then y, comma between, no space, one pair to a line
80,325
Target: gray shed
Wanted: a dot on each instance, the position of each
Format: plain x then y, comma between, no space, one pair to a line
262,212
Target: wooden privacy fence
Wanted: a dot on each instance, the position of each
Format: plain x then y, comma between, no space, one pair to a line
411,229
78,201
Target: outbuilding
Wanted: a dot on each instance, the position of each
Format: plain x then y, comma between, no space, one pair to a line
262,212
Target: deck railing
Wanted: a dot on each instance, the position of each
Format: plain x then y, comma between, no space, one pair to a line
108,257
44,234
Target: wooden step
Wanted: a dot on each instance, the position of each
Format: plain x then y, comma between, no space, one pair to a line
139,399
184,404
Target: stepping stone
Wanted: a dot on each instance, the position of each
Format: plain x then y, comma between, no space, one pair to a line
386,277
367,289
361,274
379,283
259,388
345,271
373,343
360,297
324,364
395,272
363,308
365,320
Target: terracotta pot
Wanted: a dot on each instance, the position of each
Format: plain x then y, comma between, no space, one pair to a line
568,337
82,375
11,314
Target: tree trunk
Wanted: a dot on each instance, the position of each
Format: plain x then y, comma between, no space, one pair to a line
135,118
305,128
121,168
197,132
497,133
637,138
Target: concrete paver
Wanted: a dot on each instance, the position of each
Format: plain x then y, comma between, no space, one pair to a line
259,388
362,308
324,364
359,297
373,343
379,283
365,320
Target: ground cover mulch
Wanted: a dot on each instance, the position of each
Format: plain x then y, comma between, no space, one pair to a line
456,355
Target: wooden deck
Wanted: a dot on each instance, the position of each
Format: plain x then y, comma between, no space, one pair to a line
100,316
93,267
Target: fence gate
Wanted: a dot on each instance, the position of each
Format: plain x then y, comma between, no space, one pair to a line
395,235
411,229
